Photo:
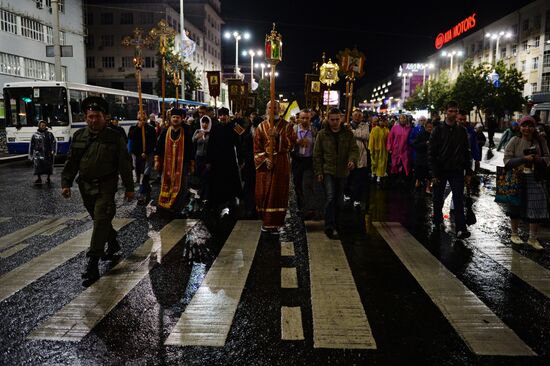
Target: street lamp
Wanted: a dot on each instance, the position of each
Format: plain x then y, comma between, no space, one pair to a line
451,55
404,75
237,36
262,65
424,67
497,36
252,53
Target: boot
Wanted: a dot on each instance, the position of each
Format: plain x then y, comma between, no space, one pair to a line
112,248
92,272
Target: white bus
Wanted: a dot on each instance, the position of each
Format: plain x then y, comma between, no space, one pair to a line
59,104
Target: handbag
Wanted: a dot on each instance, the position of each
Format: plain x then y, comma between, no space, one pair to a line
508,187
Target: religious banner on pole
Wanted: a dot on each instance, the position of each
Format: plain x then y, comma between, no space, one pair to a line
214,82
352,66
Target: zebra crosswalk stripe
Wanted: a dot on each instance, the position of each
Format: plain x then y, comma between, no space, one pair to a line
339,319
80,316
30,231
482,331
207,319
528,270
22,276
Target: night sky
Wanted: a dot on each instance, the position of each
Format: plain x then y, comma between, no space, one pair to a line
388,33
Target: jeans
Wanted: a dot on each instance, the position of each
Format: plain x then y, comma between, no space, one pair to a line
334,190
456,181
145,167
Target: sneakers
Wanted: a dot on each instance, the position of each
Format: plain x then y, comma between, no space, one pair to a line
463,234
357,205
515,239
346,198
38,181
535,244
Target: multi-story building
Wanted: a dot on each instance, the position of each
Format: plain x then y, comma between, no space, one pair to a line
26,27
520,39
109,64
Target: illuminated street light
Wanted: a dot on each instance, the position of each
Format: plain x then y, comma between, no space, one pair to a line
252,53
237,36
404,75
497,36
451,56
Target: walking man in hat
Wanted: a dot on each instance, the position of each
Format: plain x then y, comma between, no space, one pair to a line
98,155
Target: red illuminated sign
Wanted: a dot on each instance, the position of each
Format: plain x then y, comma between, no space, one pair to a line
455,31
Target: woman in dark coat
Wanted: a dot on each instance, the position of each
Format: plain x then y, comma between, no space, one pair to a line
42,151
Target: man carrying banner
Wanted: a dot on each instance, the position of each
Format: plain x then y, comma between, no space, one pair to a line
273,170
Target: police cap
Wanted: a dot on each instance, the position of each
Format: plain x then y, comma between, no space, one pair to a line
97,104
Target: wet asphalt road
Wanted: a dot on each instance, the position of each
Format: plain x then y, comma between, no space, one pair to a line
409,329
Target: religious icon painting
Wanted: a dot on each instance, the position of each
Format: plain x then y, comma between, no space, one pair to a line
315,86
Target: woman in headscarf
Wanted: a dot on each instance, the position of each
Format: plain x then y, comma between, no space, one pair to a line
42,151
200,139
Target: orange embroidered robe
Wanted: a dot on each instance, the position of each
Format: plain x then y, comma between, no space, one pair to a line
272,185
173,148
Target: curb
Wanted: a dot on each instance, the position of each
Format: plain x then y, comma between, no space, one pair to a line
10,159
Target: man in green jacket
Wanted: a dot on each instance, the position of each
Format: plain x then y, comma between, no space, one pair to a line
334,155
98,155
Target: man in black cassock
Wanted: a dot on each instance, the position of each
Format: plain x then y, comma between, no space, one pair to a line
223,161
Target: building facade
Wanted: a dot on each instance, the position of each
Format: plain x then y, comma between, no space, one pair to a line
520,39
26,27
110,64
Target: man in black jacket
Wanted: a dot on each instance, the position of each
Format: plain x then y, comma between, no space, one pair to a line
142,154
450,159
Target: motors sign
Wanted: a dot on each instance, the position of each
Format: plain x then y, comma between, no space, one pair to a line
462,27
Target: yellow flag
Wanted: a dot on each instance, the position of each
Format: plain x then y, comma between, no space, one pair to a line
292,109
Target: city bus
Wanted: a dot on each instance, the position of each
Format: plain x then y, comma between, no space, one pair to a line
60,105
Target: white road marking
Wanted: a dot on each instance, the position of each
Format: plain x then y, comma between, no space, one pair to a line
22,276
291,324
80,316
339,319
54,230
11,251
482,331
287,249
289,278
526,269
207,319
29,231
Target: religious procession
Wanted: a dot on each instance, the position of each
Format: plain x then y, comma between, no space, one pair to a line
213,163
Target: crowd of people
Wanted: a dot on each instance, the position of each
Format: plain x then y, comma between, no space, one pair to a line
208,162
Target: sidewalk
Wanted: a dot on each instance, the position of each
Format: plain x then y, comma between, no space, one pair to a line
8,158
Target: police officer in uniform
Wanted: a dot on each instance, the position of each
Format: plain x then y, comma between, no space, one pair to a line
98,155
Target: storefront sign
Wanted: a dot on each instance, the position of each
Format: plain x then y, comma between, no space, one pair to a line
455,31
